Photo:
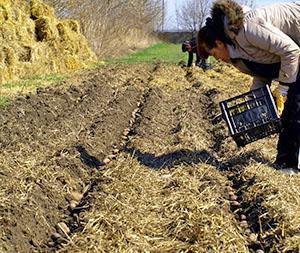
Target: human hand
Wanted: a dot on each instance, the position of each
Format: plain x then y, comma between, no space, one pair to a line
280,96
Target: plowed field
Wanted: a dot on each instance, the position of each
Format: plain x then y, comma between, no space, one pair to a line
133,158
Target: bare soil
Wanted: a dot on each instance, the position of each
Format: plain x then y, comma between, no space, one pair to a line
155,167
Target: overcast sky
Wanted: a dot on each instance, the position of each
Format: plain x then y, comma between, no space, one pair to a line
173,4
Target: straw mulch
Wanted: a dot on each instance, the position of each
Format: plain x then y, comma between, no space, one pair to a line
222,77
40,165
182,208
169,77
141,210
174,116
281,198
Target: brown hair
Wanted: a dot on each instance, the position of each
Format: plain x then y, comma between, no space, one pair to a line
202,51
208,35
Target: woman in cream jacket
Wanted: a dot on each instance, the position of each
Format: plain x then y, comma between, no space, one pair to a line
264,43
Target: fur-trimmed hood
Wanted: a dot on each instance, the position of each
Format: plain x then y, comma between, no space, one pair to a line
266,35
228,15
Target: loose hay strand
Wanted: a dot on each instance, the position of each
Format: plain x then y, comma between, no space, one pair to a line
148,213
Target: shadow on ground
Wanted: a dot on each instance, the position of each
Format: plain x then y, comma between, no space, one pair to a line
189,157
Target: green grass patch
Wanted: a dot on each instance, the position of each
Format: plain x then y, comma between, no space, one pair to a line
165,52
11,89
4,101
34,82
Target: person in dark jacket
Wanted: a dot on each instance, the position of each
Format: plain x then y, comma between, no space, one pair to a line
264,43
190,46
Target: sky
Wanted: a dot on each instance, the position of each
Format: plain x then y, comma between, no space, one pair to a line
173,4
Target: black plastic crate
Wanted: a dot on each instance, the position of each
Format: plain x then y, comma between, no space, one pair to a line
251,116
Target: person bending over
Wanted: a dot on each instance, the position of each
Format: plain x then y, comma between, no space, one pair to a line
264,43
190,46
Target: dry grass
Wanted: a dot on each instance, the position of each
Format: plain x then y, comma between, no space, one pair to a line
165,78
281,199
135,208
12,89
113,28
223,77
39,163
279,193
33,192
181,210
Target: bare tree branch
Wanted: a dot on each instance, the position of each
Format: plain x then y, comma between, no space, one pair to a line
192,14
108,24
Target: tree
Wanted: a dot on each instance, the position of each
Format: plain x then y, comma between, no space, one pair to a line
192,14
111,26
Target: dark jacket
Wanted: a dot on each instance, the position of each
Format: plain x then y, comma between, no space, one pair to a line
193,44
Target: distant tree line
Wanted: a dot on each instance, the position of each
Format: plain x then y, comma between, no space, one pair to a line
191,15
113,26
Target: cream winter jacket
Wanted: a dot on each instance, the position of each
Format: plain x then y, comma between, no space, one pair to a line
267,35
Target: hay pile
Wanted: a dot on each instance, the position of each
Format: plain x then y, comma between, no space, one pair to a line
33,41
139,210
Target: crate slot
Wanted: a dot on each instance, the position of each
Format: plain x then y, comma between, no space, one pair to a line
251,116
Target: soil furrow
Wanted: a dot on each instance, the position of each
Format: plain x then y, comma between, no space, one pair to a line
134,158
111,129
63,159
122,109
259,228
160,182
165,202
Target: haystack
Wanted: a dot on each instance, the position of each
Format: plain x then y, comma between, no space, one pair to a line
34,41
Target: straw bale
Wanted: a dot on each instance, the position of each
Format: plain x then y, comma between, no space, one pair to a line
73,62
70,37
38,9
73,25
25,53
62,28
34,42
67,26
7,56
45,29
4,2
11,57
4,15
8,32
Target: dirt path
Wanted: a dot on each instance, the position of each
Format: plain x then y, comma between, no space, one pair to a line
132,159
